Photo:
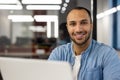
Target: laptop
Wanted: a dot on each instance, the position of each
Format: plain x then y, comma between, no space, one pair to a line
34,69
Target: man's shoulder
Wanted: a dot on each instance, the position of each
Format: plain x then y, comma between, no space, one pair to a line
63,47
61,52
102,46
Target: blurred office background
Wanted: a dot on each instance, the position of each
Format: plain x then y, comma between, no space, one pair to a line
32,28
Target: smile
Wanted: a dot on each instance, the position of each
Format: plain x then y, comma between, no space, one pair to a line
79,35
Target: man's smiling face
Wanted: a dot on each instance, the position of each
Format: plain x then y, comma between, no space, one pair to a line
79,26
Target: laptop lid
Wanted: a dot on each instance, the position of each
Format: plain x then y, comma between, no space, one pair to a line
34,69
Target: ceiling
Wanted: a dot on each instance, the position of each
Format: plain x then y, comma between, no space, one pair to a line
34,5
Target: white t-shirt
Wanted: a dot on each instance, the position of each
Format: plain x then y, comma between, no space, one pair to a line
76,67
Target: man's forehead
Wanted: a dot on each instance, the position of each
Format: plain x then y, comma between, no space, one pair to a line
78,12
78,15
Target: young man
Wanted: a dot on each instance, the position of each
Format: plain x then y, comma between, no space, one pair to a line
89,59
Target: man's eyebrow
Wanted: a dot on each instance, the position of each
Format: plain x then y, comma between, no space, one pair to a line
84,20
71,21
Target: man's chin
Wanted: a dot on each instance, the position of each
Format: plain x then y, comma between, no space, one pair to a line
80,42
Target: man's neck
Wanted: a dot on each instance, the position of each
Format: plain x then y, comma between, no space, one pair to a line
78,49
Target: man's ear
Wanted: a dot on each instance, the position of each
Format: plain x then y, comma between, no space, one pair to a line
66,25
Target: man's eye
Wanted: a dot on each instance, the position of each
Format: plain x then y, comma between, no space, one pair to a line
72,24
84,22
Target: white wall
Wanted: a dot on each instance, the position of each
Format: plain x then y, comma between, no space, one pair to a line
104,25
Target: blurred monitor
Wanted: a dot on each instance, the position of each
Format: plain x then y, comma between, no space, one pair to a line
34,69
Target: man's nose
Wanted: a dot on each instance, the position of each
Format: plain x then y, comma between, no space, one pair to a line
78,28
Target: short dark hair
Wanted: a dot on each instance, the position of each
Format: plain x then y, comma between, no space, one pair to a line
80,8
